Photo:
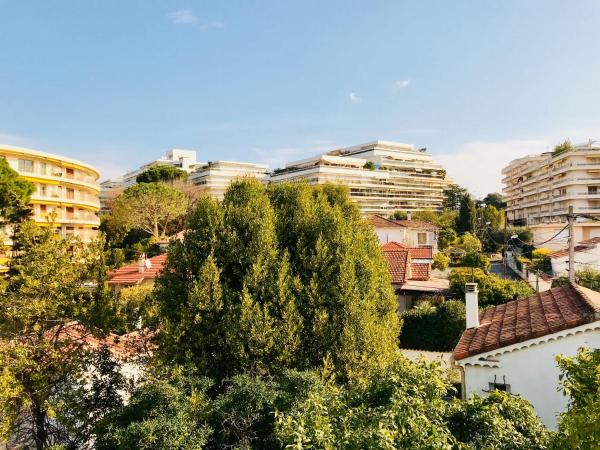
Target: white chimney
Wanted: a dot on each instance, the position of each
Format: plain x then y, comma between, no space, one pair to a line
142,263
472,302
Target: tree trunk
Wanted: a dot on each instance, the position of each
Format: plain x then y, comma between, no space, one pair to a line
39,423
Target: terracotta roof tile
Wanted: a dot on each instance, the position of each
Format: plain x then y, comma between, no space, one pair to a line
420,271
535,316
393,246
421,253
397,263
129,274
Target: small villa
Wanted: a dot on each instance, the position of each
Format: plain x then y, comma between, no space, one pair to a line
512,347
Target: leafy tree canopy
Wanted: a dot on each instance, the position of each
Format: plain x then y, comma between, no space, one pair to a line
588,278
39,360
492,289
161,174
277,277
14,194
151,207
435,328
453,196
494,199
580,379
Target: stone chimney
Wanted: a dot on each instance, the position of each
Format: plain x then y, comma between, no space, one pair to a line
471,299
142,263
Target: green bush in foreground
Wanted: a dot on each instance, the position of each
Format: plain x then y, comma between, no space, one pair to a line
435,328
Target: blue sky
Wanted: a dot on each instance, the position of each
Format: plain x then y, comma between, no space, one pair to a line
117,83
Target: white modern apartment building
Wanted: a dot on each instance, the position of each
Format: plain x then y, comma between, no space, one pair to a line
214,178
540,188
382,176
109,190
66,190
182,159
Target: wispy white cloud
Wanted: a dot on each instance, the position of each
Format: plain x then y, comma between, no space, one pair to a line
401,84
354,98
183,17
187,17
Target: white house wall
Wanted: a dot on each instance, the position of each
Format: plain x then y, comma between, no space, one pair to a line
531,372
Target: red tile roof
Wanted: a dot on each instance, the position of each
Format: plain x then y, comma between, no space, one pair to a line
417,224
580,247
420,271
400,263
130,274
393,246
421,253
541,314
123,347
381,222
397,263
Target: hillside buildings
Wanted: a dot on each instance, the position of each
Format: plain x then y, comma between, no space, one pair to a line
512,347
540,188
382,176
214,178
66,190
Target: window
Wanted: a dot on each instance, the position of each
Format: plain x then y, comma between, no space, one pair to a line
70,193
43,168
25,165
498,385
592,189
422,238
42,190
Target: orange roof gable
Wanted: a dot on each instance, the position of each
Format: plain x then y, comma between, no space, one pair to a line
541,314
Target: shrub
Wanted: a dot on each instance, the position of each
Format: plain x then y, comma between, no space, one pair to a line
440,261
435,328
497,421
477,260
492,289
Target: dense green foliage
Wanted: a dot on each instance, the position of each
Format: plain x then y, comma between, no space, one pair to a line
369,165
440,261
588,278
159,415
492,289
38,361
465,221
497,421
494,199
561,148
399,215
154,208
433,327
453,197
275,278
162,173
580,377
14,194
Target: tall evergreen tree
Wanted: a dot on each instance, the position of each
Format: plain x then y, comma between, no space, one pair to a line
301,279
465,220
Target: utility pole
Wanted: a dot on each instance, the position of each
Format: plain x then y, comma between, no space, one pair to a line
571,219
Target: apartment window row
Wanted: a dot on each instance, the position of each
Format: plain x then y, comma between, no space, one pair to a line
43,168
